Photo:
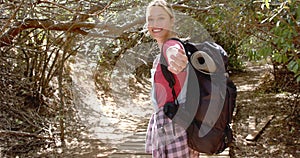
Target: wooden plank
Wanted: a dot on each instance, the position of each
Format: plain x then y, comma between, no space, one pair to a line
121,155
224,154
259,128
132,149
135,146
251,127
214,156
132,143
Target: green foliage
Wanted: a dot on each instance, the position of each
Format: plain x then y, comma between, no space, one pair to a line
223,22
294,66
256,30
281,34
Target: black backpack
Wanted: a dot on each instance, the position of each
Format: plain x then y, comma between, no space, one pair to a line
210,98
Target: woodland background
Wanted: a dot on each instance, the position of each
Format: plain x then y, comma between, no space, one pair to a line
40,39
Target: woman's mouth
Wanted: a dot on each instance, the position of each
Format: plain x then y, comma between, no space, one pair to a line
156,30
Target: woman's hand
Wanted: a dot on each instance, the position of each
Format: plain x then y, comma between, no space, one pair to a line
178,62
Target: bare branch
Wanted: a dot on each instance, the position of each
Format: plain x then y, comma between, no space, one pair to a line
55,4
11,17
21,134
205,9
76,27
98,12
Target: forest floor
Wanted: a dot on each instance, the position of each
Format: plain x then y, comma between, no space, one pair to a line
96,133
256,105
272,115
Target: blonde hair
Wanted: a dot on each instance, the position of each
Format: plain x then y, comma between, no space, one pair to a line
161,3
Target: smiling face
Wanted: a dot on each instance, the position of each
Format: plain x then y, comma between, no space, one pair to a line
160,23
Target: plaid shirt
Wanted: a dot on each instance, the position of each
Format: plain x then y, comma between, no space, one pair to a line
167,140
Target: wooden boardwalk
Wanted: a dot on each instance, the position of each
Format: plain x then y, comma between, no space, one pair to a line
135,148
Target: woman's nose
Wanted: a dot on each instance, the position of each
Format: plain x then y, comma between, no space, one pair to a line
153,23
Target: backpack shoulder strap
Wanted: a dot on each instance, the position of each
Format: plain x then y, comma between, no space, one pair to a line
183,43
166,73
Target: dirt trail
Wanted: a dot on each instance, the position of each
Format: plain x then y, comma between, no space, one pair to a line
277,139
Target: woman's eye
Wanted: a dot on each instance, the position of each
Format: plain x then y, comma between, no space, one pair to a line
161,18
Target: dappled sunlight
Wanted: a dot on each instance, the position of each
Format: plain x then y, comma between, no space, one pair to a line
274,139
75,73
110,119
247,87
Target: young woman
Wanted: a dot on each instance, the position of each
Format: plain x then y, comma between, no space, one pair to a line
164,139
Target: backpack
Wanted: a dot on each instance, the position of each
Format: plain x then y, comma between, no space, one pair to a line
210,98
